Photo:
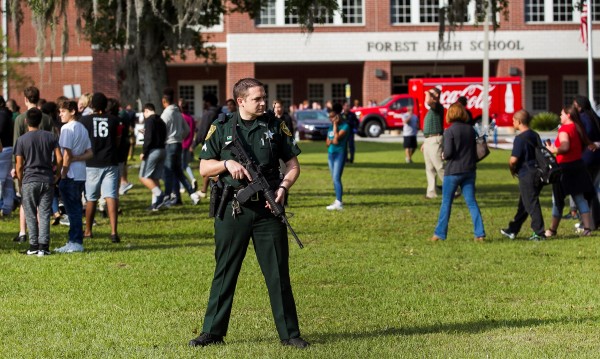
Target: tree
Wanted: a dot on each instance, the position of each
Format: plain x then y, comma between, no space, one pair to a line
454,13
149,33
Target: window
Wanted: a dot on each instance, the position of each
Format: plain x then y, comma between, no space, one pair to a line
323,90
316,93
401,75
538,90
563,10
194,91
429,10
596,12
554,11
352,11
277,13
570,90
279,89
400,11
534,11
268,14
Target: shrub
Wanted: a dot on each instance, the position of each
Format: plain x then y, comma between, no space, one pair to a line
545,121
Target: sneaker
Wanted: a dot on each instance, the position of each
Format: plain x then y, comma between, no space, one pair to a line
124,188
335,206
195,185
201,194
296,343
61,208
507,233
537,237
195,198
115,238
578,225
205,339
70,247
65,220
550,233
43,252
20,238
55,221
32,251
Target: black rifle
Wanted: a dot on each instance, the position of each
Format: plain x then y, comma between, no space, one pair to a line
259,183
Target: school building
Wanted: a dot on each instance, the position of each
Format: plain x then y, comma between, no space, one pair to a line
374,46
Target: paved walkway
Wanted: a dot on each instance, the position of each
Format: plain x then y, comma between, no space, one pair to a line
504,138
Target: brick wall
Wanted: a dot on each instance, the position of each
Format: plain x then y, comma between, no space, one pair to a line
237,71
377,88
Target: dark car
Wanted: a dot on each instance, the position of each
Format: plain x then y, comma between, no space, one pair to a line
311,124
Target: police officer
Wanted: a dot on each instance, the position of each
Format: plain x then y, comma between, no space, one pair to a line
267,140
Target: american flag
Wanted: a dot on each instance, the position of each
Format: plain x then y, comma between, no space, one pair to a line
583,25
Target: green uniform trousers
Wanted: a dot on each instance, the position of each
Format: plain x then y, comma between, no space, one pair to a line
232,236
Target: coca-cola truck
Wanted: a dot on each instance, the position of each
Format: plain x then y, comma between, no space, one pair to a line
504,100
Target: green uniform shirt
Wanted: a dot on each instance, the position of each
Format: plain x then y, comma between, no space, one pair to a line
267,141
433,124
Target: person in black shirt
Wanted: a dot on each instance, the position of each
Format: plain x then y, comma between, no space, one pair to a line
103,169
522,164
153,155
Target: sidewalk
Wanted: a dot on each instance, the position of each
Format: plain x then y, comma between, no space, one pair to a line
504,138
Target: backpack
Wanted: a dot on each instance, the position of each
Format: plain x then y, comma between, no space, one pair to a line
546,165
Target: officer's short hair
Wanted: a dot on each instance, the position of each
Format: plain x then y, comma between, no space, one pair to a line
337,108
240,89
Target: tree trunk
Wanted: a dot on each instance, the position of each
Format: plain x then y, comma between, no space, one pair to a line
145,68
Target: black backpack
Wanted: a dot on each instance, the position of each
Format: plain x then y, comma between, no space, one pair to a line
546,165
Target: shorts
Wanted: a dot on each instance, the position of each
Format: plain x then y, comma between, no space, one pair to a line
153,166
103,180
410,142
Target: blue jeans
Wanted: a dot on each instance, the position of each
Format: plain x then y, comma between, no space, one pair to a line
70,192
466,181
173,171
337,160
7,186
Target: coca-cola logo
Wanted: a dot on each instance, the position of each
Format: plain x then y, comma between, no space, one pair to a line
473,93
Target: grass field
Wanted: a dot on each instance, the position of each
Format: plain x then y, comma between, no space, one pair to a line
367,284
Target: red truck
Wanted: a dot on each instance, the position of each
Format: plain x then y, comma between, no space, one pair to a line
504,101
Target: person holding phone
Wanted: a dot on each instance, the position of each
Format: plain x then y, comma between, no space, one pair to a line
336,149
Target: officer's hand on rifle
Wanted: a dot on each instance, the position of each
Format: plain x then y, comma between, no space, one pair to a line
279,198
237,171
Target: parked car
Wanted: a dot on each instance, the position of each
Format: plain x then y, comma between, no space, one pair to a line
311,124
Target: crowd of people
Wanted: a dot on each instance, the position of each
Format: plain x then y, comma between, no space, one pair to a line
450,154
84,168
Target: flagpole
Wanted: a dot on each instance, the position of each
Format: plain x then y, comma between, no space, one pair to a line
590,13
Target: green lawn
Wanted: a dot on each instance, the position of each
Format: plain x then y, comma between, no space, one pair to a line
367,284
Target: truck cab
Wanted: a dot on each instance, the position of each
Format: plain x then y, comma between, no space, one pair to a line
387,115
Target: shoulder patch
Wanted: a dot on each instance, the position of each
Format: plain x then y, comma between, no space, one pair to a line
211,130
285,129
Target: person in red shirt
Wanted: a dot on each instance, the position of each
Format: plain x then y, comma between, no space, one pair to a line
575,180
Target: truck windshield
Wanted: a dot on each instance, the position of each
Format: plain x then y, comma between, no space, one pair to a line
385,102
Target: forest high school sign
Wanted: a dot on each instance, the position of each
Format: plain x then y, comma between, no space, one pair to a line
405,46
411,46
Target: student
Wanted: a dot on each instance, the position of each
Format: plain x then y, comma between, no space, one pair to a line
33,157
522,164
76,149
409,132
153,155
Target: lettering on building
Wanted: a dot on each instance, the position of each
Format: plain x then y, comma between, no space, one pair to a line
446,46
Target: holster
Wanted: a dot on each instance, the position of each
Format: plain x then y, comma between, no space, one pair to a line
216,192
